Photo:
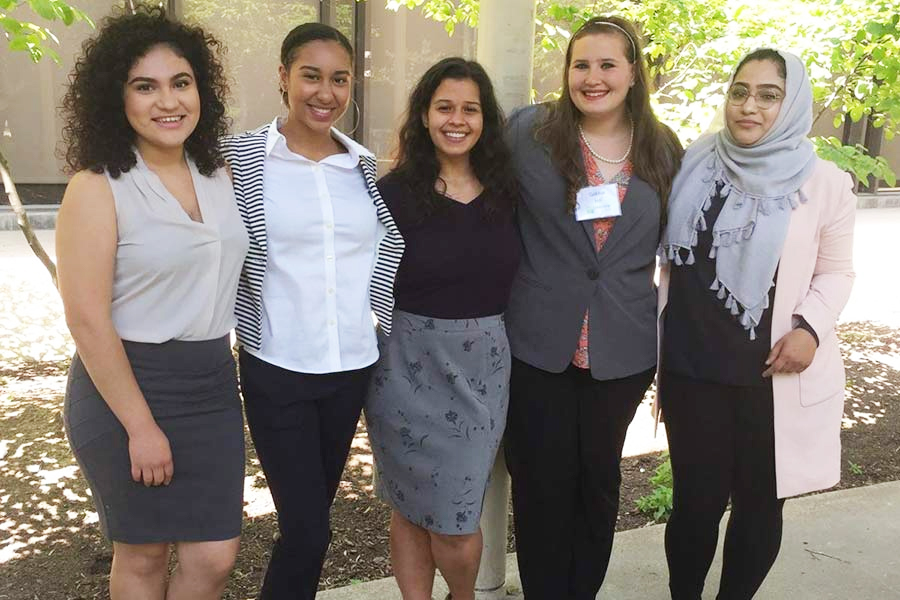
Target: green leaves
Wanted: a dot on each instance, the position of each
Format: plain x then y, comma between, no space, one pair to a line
450,13
852,49
30,37
854,159
658,503
44,8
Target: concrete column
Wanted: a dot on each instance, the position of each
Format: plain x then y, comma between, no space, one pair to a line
505,49
491,582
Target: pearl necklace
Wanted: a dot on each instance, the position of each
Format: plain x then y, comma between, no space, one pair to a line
612,161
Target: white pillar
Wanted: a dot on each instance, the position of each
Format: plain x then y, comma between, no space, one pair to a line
505,49
491,582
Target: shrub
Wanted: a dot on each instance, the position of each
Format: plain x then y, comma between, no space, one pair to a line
658,503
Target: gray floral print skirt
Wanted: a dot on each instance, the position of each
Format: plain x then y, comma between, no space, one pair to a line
435,413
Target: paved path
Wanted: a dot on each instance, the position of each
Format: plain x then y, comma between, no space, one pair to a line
875,250
837,546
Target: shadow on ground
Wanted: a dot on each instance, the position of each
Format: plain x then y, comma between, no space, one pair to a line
51,547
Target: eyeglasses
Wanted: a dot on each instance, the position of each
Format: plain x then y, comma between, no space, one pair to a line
766,99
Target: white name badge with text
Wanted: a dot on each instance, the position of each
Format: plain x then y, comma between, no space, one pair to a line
598,202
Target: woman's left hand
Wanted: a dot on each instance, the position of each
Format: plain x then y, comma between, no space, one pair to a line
792,353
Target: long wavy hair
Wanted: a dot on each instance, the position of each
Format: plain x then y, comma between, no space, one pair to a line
417,162
96,133
656,152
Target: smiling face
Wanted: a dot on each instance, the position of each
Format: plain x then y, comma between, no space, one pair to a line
162,103
749,123
317,85
454,119
599,75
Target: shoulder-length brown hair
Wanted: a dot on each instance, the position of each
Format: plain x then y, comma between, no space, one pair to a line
656,152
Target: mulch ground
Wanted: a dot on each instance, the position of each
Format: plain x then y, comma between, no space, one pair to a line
51,547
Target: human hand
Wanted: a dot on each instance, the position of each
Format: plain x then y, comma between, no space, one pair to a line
792,353
151,457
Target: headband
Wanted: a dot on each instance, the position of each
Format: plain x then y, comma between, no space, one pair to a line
625,33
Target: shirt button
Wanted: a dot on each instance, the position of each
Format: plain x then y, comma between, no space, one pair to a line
331,322
329,257
329,226
330,290
593,274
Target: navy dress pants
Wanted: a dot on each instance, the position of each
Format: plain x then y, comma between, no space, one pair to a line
302,426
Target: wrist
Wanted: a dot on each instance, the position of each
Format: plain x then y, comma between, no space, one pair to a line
139,426
803,324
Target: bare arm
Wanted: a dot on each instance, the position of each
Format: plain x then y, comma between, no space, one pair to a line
86,240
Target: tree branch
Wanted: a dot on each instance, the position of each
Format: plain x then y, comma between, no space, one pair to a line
22,218
847,82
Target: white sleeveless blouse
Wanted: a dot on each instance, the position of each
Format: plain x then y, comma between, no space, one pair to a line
175,278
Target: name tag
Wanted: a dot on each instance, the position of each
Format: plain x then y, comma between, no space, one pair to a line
598,202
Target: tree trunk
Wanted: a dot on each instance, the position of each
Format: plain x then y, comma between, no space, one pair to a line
22,218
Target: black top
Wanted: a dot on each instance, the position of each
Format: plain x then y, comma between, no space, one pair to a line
701,339
459,262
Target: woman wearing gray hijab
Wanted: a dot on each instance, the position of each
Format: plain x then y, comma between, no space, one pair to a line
757,266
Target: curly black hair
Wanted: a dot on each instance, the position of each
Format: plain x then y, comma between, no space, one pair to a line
417,161
96,133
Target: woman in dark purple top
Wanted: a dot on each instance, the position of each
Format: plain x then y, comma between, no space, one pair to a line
436,410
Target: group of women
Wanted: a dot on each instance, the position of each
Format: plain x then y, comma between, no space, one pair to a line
510,266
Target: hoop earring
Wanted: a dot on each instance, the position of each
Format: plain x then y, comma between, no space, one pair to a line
357,118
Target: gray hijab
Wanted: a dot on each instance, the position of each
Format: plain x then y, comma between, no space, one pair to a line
761,184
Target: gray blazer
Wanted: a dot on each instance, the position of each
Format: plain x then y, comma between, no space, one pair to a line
561,274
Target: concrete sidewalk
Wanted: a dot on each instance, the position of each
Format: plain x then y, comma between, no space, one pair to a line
837,546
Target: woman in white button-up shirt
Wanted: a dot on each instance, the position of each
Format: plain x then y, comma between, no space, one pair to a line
323,254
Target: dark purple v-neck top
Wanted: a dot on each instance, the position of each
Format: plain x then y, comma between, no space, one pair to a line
459,262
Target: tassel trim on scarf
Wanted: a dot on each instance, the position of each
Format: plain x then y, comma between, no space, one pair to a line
673,252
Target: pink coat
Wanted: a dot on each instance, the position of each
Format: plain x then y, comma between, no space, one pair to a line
815,276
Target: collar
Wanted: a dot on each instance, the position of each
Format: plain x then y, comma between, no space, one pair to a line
350,159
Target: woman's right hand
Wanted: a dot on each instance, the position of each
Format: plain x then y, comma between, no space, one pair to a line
151,457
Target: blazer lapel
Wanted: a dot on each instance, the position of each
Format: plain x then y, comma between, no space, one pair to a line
388,254
247,164
586,226
637,201
369,170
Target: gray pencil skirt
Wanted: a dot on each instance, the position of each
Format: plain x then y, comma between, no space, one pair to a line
435,413
191,389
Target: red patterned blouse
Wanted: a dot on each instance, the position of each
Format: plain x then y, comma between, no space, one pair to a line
602,227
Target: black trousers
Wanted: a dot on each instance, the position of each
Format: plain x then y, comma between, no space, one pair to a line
722,444
564,438
302,426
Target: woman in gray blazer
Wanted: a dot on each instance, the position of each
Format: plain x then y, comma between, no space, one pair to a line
595,168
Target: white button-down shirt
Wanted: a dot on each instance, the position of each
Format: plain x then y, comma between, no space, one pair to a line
322,232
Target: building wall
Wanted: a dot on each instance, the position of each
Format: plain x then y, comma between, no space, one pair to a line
29,96
399,47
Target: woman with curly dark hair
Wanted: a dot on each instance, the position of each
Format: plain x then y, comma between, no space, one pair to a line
436,410
150,245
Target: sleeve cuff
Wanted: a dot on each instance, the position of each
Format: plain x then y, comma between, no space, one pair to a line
801,323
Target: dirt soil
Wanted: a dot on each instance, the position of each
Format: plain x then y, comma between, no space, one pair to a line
51,547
